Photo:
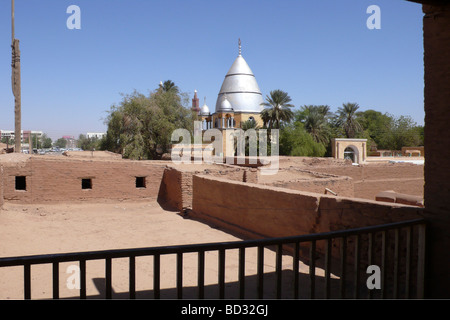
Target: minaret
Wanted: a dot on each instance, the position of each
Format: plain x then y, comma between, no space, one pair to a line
195,103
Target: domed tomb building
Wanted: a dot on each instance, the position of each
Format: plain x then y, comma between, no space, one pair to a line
238,101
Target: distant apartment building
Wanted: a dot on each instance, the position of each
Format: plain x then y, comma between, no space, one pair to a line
25,136
71,142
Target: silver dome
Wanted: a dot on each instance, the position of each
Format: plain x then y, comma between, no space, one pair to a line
240,89
225,105
204,111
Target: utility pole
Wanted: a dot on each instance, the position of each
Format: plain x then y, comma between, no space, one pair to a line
15,80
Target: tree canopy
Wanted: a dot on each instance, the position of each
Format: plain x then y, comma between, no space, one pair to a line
278,109
309,130
140,127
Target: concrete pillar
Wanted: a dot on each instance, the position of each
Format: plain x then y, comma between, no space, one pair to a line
436,31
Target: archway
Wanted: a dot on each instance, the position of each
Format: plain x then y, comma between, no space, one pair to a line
351,152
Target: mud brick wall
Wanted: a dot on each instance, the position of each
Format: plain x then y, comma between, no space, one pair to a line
371,179
171,190
58,180
177,184
436,31
10,171
267,211
343,186
375,171
259,211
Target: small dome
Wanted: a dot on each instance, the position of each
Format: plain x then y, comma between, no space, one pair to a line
205,110
225,105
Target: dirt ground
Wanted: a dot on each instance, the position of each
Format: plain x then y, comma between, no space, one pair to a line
61,228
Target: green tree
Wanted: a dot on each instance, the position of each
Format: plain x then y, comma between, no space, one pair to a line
61,143
88,144
140,127
36,143
169,85
249,124
389,132
296,141
316,122
9,141
404,132
278,109
376,127
46,141
346,119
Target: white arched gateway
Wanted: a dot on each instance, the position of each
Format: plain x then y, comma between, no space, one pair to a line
353,149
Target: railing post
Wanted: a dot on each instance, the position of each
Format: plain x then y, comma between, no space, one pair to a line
327,268
27,281
82,279
108,276
278,269
312,269
396,261
370,257
55,271
295,263
383,264
343,266
221,274
201,275
241,273
421,262
180,275
132,277
357,266
260,285
408,261
156,276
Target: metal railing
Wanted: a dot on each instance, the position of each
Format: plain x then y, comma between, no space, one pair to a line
398,248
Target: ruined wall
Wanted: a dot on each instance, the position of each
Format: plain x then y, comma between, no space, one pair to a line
255,210
171,190
371,179
309,181
436,29
177,182
60,179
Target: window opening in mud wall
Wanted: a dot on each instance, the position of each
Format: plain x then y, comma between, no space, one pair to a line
140,182
86,183
21,183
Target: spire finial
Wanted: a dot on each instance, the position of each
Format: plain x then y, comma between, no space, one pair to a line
240,47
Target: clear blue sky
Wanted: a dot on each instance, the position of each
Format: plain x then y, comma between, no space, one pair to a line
320,52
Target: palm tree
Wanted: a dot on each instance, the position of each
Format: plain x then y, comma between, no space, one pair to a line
317,126
278,109
346,119
169,85
249,124
316,121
